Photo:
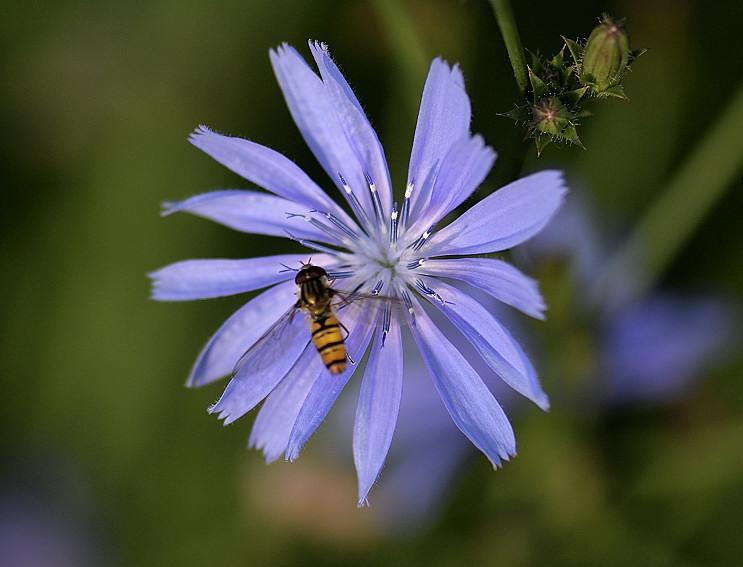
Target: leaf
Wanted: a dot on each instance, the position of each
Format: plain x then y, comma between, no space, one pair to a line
570,135
617,91
576,51
574,96
542,142
538,86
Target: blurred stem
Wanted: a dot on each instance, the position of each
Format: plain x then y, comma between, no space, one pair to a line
510,33
674,216
408,50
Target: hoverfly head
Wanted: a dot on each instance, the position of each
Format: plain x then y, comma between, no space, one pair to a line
309,272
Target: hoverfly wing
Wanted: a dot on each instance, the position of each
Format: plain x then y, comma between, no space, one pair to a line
367,306
271,348
347,298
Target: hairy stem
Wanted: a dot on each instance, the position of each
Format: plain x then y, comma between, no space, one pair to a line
510,33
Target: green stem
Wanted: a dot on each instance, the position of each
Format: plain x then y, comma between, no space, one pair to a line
409,52
510,33
674,216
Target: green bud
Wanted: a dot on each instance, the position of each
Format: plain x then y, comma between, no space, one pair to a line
552,121
605,56
550,116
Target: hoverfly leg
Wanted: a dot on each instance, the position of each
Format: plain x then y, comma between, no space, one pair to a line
345,329
351,360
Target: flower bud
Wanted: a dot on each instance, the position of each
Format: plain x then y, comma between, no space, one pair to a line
550,116
605,56
552,121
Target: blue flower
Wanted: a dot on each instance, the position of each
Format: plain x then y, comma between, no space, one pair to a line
398,252
653,351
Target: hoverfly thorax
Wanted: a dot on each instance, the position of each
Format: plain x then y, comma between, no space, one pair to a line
314,291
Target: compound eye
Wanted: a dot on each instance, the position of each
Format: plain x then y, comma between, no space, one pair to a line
318,272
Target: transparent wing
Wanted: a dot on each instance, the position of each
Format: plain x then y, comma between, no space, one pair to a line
290,332
365,307
347,298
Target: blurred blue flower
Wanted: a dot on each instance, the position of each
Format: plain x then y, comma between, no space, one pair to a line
653,351
381,250
649,350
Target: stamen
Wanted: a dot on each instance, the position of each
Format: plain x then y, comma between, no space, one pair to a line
393,223
423,288
386,321
340,275
416,264
409,304
377,287
406,205
376,201
313,245
421,240
329,230
338,223
354,201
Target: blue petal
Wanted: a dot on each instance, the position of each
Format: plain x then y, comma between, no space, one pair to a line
324,392
252,212
468,400
498,348
443,119
495,277
264,167
202,279
315,116
462,170
359,132
239,332
378,407
263,366
276,417
508,217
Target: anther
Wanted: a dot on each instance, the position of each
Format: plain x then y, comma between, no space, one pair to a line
340,275
337,222
423,288
416,264
377,287
406,204
376,201
386,320
353,200
312,244
393,223
329,230
421,240
409,304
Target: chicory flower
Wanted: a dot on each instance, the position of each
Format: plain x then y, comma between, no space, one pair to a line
383,249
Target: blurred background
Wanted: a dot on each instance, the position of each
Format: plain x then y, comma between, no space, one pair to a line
106,459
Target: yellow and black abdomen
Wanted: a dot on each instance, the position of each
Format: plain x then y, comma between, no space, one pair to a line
327,338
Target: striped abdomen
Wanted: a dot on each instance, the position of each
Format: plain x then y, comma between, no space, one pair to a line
327,338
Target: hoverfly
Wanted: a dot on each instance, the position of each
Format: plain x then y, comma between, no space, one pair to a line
315,297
